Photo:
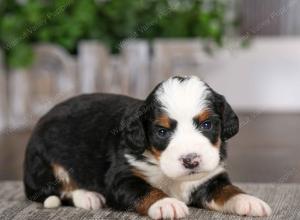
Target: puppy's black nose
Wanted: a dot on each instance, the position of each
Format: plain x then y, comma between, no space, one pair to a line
190,161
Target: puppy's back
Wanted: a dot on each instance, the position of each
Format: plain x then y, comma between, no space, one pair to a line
75,134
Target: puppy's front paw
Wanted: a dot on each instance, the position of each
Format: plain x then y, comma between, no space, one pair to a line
88,200
168,208
243,204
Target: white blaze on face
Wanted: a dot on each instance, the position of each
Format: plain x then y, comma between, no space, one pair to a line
182,101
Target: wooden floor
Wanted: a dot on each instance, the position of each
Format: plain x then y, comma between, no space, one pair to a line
266,149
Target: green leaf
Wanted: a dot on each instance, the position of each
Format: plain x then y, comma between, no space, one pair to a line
20,56
66,22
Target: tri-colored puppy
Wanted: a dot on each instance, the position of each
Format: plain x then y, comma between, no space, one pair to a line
155,156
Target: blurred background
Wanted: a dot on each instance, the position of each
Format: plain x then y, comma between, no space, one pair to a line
248,50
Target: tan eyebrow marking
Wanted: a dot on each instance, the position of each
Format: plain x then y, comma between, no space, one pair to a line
163,121
203,116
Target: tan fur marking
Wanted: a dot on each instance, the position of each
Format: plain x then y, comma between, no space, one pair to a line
226,193
156,153
144,204
138,173
218,143
63,177
203,116
163,121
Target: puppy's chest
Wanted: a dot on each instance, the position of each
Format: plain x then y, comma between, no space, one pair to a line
177,189
180,189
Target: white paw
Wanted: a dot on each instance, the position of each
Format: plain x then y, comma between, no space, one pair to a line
168,208
88,200
52,202
247,205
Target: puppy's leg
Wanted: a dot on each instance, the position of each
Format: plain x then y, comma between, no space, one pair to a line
231,200
220,195
131,193
70,193
87,199
164,208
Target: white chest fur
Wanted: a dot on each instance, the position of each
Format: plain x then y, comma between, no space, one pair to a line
179,188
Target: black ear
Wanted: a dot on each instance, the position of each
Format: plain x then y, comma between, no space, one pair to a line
230,121
133,133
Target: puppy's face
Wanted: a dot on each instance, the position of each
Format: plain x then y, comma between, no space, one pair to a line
185,127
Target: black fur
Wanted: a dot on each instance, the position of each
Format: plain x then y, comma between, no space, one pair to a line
79,136
181,78
204,193
229,120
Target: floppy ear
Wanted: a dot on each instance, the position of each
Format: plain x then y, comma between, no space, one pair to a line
133,134
230,121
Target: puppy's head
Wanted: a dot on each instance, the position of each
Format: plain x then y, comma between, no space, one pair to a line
185,127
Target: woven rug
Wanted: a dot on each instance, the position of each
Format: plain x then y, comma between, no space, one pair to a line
284,200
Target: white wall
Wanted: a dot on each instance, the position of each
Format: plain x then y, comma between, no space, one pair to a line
265,76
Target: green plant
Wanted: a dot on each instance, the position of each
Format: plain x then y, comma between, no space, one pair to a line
65,22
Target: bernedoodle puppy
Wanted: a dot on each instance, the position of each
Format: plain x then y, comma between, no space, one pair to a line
155,156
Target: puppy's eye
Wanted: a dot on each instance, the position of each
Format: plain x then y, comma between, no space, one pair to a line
207,125
162,132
